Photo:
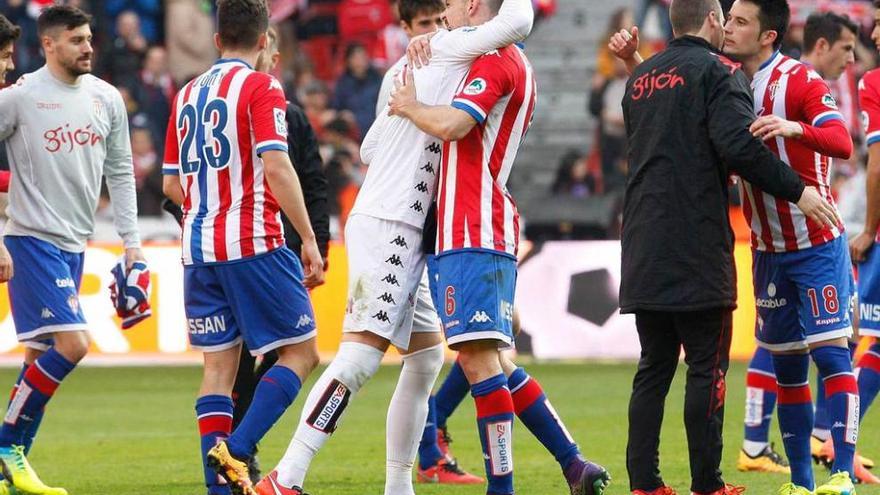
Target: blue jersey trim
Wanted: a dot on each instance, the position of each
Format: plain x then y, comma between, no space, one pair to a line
270,147
170,171
227,60
475,250
828,118
875,139
470,111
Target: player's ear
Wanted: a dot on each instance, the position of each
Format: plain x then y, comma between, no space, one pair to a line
406,28
263,41
217,43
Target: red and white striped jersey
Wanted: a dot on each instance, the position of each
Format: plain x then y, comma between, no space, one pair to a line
474,208
221,122
791,90
869,102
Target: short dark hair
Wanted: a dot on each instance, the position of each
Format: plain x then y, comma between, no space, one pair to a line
410,9
687,16
61,16
773,15
827,25
9,32
241,22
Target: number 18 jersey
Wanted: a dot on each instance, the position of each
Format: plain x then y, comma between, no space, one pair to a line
221,122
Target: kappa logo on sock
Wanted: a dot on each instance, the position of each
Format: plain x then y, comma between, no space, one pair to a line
500,442
21,396
325,416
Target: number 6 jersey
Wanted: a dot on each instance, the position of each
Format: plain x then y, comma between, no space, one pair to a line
221,122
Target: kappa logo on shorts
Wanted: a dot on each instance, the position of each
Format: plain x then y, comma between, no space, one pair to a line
394,260
304,320
387,298
391,279
400,241
417,206
428,167
434,148
480,317
421,187
47,313
382,316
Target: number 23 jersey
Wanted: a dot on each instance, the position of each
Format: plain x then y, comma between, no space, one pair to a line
221,122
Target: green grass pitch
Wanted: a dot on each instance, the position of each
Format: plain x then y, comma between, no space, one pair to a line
131,431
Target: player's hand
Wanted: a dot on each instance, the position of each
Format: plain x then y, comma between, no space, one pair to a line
6,270
404,95
313,265
132,255
816,208
625,44
419,50
859,246
771,126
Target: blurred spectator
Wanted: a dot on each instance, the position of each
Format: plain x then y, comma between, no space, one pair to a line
123,57
189,37
358,88
343,185
147,169
338,137
149,13
394,39
573,176
661,8
606,96
156,91
23,13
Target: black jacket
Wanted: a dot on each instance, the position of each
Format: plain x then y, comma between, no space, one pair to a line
303,148
687,112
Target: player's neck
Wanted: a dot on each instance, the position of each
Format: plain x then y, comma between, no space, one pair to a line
249,57
752,65
62,74
812,60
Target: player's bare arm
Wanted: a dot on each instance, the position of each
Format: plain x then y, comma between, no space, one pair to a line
172,189
625,45
441,121
862,242
285,185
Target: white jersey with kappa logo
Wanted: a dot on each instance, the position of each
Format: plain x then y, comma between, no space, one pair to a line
404,161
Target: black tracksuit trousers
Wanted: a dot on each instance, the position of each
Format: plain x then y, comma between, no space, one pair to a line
705,337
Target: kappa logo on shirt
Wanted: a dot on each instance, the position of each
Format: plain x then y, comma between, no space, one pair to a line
434,148
391,279
428,167
417,206
421,187
394,260
399,241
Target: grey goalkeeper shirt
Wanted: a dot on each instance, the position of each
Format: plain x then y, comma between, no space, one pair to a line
61,139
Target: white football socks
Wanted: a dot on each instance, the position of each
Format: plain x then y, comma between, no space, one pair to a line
406,417
353,365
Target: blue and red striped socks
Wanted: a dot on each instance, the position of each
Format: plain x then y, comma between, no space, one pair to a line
822,423
276,391
495,424
795,409
535,411
760,402
453,390
214,414
868,373
842,401
37,385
